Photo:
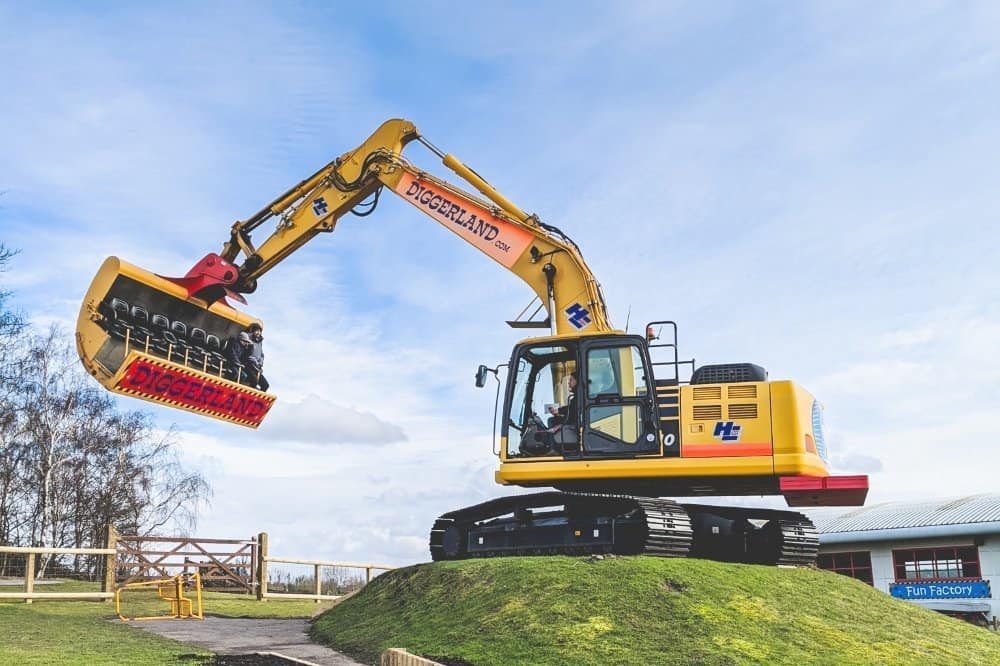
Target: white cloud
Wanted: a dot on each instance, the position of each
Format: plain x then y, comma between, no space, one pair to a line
907,338
856,463
318,421
877,378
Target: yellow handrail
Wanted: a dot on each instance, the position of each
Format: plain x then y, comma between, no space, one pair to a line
170,590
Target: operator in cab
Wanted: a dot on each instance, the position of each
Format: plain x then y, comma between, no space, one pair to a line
567,415
557,435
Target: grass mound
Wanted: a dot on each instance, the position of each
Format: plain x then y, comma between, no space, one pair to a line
641,610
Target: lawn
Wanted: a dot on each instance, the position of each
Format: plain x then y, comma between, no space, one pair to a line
554,610
84,633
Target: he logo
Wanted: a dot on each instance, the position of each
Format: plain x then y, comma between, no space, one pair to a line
727,431
319,206
579,316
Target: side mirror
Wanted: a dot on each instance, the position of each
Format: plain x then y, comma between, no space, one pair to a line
481,376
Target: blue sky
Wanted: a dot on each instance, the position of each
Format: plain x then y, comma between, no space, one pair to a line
808,186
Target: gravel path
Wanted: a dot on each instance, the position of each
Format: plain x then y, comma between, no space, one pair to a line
243,636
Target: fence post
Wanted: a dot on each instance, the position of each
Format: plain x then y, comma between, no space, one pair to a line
29,576
319,584
368,575
110,562
261,566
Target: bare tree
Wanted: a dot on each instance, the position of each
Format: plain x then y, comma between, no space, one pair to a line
11,454
71,462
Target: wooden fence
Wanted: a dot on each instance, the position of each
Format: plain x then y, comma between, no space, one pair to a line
29,594
265,559
228,565
239,565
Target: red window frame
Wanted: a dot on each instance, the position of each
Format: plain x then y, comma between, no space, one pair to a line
856,564
939,563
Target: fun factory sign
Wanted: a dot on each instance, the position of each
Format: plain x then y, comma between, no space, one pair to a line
959,589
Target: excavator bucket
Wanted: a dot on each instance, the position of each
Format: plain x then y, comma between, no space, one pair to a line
145,336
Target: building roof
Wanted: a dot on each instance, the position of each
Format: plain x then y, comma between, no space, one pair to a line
982,508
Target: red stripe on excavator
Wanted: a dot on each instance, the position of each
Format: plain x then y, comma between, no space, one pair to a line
740,450
174,386
824,490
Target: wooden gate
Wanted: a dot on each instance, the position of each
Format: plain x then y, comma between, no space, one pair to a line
225,564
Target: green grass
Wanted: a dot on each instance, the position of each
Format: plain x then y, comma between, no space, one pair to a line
642,610
82,633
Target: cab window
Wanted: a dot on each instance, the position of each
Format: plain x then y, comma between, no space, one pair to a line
615,372
541,385
618,418
618,422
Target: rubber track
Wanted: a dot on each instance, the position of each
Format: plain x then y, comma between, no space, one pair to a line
799,541
668,528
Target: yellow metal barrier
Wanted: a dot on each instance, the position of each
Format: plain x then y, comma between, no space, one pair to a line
170,590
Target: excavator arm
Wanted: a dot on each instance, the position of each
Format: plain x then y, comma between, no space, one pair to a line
548,261
166,339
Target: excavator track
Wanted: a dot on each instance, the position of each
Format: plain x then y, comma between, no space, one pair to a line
555,523
752,535
799,541
668,528
583,524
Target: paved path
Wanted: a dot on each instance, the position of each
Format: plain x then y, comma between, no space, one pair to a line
241,636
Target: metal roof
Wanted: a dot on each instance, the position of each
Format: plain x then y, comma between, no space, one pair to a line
982,508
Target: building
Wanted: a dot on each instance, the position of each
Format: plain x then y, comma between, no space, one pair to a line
940,554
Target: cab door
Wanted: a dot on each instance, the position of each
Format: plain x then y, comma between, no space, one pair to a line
617,400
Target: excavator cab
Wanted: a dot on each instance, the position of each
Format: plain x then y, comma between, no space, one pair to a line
146,336
558,385
594,413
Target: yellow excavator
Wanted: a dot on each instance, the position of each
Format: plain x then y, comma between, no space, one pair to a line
614,421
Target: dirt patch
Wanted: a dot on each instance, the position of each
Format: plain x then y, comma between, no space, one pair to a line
674,586
237,660
449,661
251,660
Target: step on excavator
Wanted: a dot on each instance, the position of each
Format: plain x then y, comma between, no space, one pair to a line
614,422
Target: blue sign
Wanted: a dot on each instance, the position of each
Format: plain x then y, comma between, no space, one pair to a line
958,589
727,431
578,315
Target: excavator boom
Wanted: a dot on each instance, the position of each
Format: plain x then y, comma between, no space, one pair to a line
541,255
164,339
